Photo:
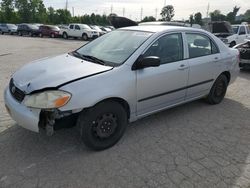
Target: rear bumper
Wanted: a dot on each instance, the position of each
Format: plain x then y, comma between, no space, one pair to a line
244,62
26,117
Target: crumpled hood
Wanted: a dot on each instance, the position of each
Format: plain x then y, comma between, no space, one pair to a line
55,71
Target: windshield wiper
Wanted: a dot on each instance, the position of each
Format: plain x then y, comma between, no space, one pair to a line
95,59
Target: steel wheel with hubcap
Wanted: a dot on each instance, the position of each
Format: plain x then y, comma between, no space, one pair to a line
218,90
103,125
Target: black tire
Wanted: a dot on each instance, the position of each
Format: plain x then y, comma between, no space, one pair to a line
218,90
52,35
41,35
65,35
85,37
232,44
103,125
30,34
20,33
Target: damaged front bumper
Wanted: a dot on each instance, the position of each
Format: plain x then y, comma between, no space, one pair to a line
36,119
26,117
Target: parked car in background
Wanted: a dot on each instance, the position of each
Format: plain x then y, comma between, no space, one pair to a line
244,49
98,29
242,33
105,29
49,30
28,29
230,35
8,28
79,31
121,77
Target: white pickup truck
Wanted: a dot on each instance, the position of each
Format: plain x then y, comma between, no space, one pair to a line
231,35
79,31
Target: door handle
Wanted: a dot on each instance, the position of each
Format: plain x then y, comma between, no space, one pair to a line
183,67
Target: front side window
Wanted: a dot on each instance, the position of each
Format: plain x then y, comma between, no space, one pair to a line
115,47
236,29
199,45
248,29
168,48
71,26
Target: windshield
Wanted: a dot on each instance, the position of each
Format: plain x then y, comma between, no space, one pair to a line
54,28
115,47
84,26
11,26
33,26
235,29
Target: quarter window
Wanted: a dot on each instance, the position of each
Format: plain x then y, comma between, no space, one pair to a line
200,45
168,48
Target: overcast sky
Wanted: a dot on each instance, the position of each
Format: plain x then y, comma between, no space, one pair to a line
183,8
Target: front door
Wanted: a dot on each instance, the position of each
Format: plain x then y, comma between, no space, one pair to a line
163,86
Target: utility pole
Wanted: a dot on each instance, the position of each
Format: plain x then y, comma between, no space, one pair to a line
67,3
156,13
73,11
123,12
208,7
165,3
111,9
141,12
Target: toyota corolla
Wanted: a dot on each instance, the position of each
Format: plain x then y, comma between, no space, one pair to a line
119,78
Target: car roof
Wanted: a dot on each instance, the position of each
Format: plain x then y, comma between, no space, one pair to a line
159,28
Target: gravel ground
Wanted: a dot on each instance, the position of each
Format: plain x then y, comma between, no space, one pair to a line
193,145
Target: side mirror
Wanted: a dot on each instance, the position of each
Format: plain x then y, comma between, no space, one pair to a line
144,62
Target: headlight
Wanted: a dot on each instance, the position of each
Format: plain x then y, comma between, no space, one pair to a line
47,99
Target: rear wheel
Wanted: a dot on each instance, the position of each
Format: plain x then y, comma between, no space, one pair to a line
52,35
218,90
30,34
20,33
40,35
84,36
103,125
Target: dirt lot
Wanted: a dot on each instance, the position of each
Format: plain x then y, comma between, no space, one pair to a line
194,145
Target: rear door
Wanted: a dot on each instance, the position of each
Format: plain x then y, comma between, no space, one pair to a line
204,62
78,32
163,86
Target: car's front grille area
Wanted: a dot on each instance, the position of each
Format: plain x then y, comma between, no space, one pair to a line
15,92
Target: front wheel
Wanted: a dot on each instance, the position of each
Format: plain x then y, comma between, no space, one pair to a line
218,90
103,125
84,37
65,35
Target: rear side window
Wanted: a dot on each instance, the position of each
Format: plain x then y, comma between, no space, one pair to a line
77,27
168,48
200,45
242,30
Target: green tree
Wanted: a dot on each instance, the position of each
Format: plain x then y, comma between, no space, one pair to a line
247,15
217,16
232,15
7,11
23,10
198,18
148,19
167,13
62,16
